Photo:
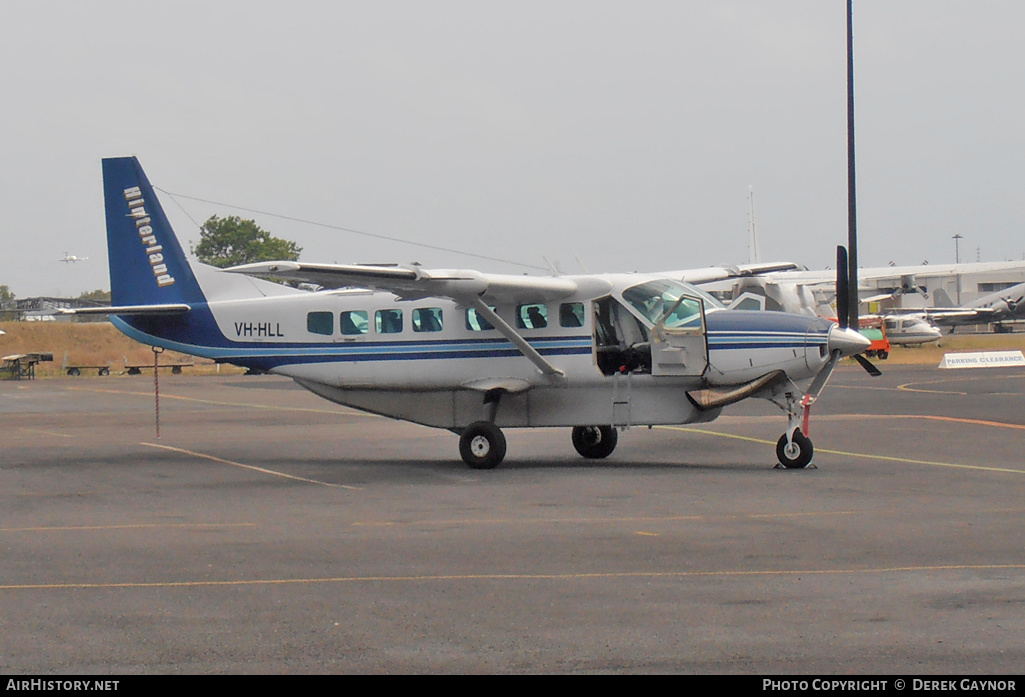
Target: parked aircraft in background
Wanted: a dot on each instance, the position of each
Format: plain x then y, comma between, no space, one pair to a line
910,330
812,292
71,259
998,308
468,351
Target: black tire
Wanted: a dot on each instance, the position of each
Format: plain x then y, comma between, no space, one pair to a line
799,456
595,442
104,371
74,372
883,355
176,370
482,445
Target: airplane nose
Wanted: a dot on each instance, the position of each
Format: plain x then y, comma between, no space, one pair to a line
847,341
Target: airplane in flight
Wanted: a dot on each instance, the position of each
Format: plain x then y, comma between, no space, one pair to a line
468,351
71,259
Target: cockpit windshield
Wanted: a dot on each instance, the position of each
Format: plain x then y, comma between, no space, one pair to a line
666,301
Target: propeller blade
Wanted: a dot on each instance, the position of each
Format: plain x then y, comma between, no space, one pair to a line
843,288
823,376
867,365
852,215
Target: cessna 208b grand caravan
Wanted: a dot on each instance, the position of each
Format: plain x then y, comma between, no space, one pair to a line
467,351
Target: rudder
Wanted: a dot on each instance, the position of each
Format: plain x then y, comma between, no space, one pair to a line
147,264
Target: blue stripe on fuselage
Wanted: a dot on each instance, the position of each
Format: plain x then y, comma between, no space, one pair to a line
185,335
740,329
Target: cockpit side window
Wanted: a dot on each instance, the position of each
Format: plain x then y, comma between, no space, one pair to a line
667,303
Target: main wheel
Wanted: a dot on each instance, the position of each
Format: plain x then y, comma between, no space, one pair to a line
595,442
482,445
74,372
797,454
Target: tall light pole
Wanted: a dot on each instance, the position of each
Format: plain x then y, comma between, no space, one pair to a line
957,260
852,215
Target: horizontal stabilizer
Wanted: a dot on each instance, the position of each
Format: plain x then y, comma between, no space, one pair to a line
718,397
152,310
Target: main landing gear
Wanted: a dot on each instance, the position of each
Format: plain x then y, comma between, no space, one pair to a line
482,443
595,442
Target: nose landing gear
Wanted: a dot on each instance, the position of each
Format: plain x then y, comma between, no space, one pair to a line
794,449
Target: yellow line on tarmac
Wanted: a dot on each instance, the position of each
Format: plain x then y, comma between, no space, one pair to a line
869,456
601,519
46,433
906,387
704,431
518,577
138,526
979,422
254,468
344,410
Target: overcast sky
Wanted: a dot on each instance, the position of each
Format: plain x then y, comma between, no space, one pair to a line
605,136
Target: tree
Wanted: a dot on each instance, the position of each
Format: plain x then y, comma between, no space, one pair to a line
6,302
232,241
98,295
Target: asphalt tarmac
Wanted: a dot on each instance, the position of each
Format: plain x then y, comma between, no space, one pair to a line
269,531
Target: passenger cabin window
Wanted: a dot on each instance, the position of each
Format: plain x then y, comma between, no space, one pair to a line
388,321
427,319
476,322
534,316
320,323
354,323
571,315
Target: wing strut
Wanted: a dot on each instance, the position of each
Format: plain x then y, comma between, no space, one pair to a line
518,341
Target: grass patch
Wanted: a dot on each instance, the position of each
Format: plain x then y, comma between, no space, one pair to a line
91,344
932,354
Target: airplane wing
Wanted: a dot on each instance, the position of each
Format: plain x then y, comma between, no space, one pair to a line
468,287
414,282
724,273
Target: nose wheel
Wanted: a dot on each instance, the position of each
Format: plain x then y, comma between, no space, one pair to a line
794,449
795,452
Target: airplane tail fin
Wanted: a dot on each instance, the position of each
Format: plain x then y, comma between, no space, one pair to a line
940,298
147,264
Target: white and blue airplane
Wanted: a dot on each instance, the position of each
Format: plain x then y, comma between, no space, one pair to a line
467,351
